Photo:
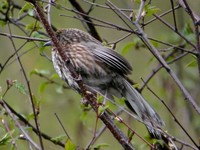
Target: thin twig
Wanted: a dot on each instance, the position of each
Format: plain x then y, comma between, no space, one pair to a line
62,126
19,126
92,29
174,117
30,93
29,39
139,15
154,51
172,28
195,19
22,119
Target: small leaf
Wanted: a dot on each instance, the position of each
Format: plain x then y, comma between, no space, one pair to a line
33,26
188,32
154,141
138,1
43,86
187,29
37,35
2,23
135,44
152,59
99,146
59,138
150,10
84,116
3,5
100,98
192,63
127,48
36,102
30,117
101,109
130,133
31,12
20,87
69,145
54,76
137,85
6,138
27,6
59,89
42,72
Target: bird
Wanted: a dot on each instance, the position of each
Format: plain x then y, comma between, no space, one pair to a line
102,70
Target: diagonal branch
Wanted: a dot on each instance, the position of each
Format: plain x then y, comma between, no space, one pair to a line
117,133
155,52
90,25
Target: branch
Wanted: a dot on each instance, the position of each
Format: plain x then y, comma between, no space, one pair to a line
30,92
22,119
117,133
90,25
196,20
154,51
3,103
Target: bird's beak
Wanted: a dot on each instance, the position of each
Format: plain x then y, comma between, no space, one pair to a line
49,43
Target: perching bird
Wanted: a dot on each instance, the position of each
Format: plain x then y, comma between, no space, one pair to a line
102,70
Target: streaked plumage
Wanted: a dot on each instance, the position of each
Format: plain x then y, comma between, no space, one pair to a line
102,70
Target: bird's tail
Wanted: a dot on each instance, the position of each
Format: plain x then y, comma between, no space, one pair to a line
144,111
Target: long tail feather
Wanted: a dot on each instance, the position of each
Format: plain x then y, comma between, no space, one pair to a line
143,109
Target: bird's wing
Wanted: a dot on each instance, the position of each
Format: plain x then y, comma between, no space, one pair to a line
111,58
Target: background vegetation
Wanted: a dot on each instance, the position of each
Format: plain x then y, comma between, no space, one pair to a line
28,82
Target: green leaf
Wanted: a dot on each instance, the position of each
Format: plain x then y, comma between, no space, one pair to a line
187,29
101,109
192,63
30,117
55,76
130,133
59,138
6,138
188,32
42,72
31,12
43,86
3,5
84,116
33,26
27,7
69,145
99,146
100,98
59,89
2,23
154,141
151,60
36,102
137,85
135,44
36,34
150,10
120,100
138,1
20,87
127,48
